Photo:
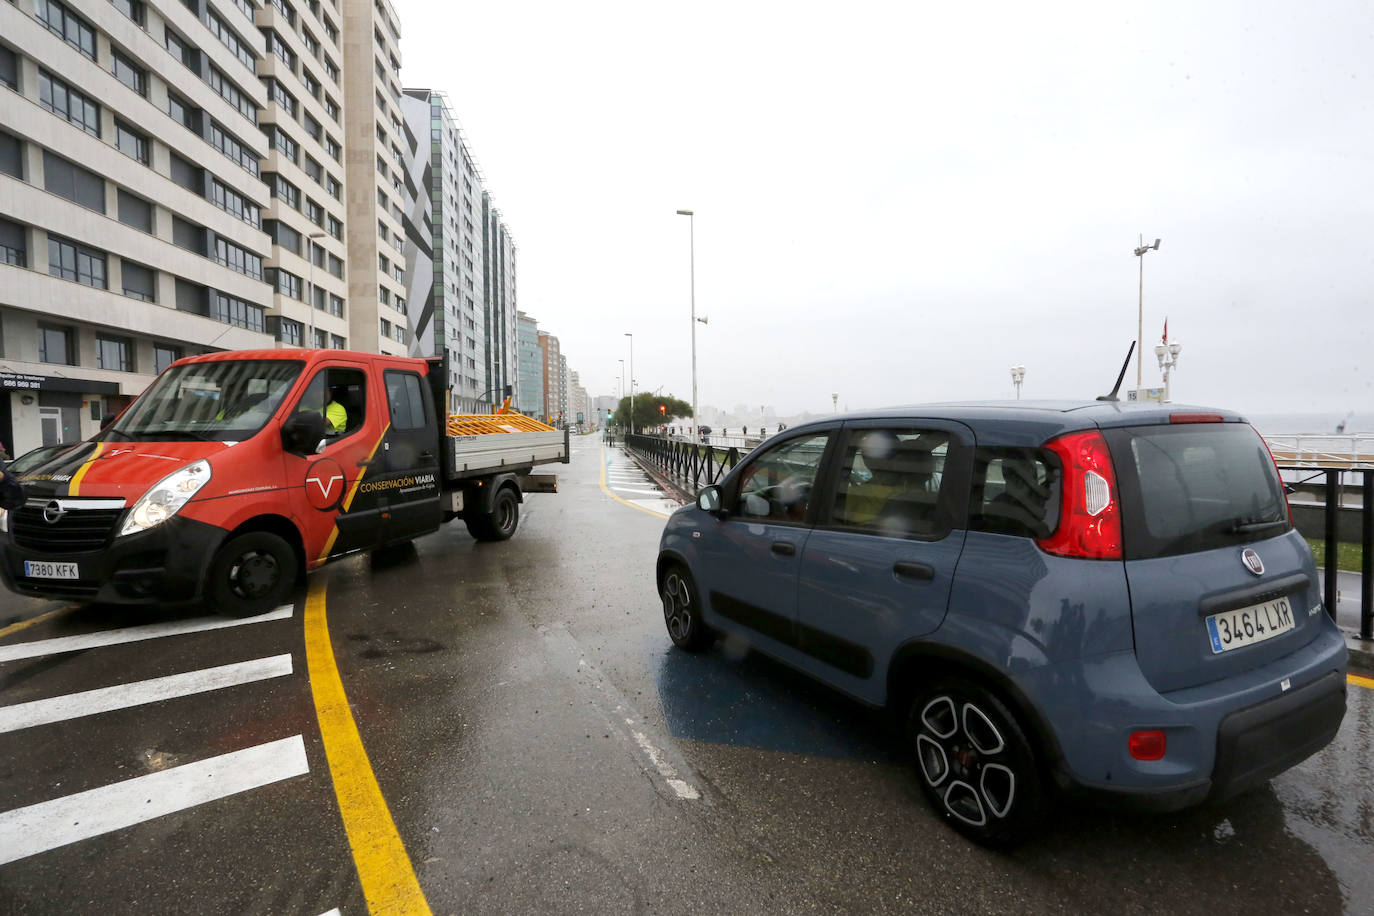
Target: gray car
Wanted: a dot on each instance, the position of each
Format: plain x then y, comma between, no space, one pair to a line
1102,599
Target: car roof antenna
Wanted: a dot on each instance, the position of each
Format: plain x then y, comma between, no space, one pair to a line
1117,386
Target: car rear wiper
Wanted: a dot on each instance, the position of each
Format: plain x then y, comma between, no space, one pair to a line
1243,526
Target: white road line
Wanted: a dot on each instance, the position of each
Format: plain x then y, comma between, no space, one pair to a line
132,634
122,696
634,490
684,789
47,825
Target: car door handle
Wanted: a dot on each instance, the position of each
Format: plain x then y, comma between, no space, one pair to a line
785,548
914,570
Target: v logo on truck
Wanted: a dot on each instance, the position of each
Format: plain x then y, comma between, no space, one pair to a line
325,485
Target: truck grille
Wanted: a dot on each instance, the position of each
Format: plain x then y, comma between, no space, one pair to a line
78,529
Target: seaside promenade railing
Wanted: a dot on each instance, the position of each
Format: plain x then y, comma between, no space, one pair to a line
687,466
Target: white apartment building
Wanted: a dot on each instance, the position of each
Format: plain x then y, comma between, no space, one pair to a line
302,119
378,195
131,202
501,326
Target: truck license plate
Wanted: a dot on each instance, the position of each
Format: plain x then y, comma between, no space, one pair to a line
1249,625
35,569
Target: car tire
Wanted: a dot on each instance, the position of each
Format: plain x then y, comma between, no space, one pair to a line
975,764
252,574
682,611
500,523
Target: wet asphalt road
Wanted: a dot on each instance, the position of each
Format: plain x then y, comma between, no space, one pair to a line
541,748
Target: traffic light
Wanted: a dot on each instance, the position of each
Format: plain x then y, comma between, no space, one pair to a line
663,409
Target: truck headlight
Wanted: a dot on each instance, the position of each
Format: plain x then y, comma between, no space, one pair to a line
167,497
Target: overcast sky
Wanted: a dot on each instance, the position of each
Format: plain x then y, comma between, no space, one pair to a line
897,202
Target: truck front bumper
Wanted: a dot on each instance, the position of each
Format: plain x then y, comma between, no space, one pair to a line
165,564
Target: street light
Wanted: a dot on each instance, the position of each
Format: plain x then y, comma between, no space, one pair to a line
1018,375
1140,312
692,255
1167,354
835,401
622,383
310,257
632,380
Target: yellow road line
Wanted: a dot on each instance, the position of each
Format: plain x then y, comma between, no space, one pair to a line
25,624
1361,681
384,869
606,490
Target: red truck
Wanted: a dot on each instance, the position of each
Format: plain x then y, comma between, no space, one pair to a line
224,482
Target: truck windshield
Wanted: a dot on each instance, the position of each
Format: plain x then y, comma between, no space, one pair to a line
225,401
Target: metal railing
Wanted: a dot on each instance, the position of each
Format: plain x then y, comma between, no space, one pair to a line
1332,507
1320,450
687,466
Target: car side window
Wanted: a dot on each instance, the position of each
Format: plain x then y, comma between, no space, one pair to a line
1015,491
340,396
777,485
889,482
404,400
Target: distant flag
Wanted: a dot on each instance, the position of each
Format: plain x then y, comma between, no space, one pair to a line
1166,330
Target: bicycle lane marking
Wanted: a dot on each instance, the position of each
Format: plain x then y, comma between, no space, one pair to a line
384,869
605,489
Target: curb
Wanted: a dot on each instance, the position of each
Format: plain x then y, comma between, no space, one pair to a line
1361,651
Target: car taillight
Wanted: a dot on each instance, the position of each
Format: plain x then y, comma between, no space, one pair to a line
1090,511
1147,745
1282,489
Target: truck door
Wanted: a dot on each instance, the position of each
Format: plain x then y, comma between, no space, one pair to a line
339,514
411,458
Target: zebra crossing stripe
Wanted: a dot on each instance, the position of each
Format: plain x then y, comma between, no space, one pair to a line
47,825
138,693
42,647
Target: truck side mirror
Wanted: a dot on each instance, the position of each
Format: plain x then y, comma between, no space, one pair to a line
302,432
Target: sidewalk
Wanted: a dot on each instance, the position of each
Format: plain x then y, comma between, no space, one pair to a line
1348,618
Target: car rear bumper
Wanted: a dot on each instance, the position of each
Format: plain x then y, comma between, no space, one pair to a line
164,564
1222,739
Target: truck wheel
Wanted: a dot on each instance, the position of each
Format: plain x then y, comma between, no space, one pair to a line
252,574
500,523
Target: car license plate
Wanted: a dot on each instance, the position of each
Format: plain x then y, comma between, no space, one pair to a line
1249,625
38,570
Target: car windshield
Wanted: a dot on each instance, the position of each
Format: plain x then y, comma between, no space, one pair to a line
1193,487
225,401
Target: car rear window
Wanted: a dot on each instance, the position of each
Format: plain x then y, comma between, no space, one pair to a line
1192,487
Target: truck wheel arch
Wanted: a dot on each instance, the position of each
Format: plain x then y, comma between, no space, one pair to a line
275,524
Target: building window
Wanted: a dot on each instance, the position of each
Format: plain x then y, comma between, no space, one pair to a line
231,93
384,295
129,73
135,211
62,22
331,108
234,311
314,170
164,356
13,244
312,85
114,353
276,92
336,342
231,40
182,50
331,70
332,147
314,212
284,144
70,261
131,8
11,155
183,112
186,234
232,256
187,174
289,332
334,187
312,127
285,9
286,191
232,202
284,282
55,345
130,142
232,147
139,282
278,47
386,328
336,306
69,180
336,267
66,102
335,227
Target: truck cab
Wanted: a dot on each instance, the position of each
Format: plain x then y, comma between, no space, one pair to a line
236,473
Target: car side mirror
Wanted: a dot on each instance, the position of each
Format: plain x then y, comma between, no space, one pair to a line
302,432
709,499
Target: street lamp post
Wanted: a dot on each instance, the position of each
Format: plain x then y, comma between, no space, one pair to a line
692,255
310,257
1140,311
1018,375
835,401
622,384
1167,354
632,380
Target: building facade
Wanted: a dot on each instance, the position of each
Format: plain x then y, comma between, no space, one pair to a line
529,387
304,171
551,367
447,295
501,332
131,203
375,165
